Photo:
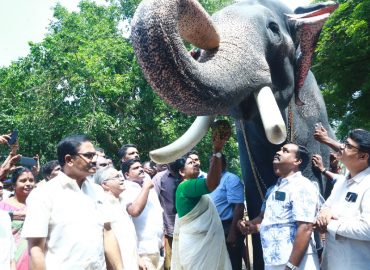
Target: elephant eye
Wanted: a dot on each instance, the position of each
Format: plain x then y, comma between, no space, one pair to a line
274,27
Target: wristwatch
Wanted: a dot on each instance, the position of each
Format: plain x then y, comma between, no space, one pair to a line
291,266
217,155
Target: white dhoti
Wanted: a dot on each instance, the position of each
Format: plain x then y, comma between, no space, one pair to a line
199,241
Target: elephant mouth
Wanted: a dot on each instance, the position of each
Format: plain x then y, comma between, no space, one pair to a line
271,117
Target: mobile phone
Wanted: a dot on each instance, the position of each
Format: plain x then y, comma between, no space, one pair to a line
13,137
27,162
318,125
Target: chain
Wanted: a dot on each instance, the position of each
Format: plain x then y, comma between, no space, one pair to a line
290,136
257,177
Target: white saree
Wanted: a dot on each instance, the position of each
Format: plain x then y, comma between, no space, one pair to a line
198,240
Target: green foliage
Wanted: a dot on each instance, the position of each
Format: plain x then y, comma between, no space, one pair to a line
84,78
128,7
342,65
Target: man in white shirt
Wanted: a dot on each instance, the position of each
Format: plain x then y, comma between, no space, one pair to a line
7,244
143,205
345,216
129,151
65,225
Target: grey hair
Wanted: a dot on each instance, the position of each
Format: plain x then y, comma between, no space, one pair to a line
102,174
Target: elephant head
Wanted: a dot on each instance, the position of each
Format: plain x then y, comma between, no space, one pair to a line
253,64
245,47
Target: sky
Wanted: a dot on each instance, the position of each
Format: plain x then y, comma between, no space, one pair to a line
22,21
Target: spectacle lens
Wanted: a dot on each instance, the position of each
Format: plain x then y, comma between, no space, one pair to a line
88,155
350,146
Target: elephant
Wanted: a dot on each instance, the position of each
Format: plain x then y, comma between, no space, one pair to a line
253,63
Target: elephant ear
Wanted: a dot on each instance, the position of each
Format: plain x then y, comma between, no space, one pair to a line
306,23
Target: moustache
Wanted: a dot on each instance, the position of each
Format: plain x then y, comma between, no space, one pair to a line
92,165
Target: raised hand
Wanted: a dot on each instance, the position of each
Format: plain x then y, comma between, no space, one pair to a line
221,132
317,162
321,134
4,139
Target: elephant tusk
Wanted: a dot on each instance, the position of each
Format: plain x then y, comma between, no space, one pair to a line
185,143
271,117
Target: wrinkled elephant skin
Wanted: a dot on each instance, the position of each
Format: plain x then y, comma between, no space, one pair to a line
246,46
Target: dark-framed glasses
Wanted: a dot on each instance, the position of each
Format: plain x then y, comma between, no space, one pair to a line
115,178
88,155
350,146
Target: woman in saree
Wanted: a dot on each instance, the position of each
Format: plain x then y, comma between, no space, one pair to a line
23,181
198,241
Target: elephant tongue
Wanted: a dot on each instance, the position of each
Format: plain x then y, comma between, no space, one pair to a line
271,117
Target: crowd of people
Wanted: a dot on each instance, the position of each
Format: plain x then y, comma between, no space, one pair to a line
87,214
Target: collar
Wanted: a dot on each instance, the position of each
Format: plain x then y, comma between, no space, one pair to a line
111,198
65,181
359,177
283,180
139,183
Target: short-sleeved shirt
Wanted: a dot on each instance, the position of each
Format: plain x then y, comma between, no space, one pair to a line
165,186
188,194
71,219
292,199
149,224
230,191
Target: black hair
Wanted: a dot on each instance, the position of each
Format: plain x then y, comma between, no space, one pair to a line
151,163
362,138
192,152
48,167
123,150
174,168
126,165
303,155
17,172
69,146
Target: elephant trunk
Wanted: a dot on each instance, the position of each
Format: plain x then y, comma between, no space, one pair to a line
211,86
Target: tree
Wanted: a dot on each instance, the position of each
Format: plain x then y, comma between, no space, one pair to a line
128,7
342,65
84,78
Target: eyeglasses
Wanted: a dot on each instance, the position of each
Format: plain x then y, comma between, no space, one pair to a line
103,164
119,178
88,155
350,146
